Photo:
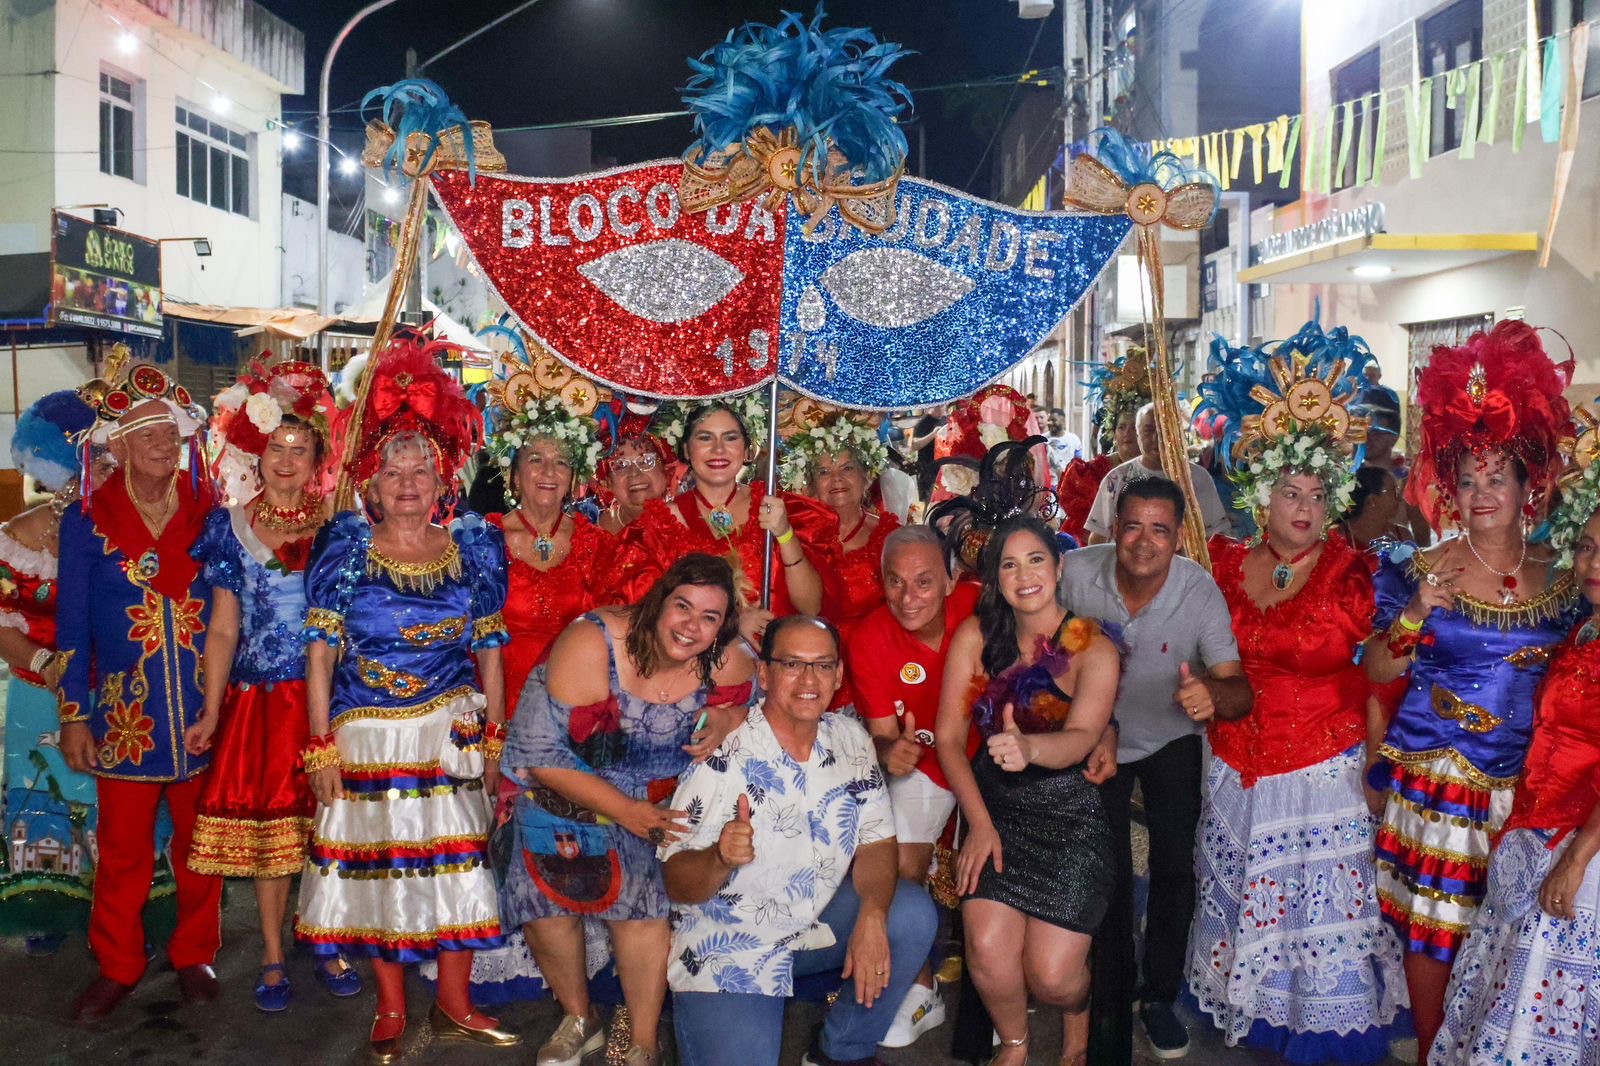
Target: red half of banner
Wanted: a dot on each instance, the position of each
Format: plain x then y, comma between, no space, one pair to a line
612,276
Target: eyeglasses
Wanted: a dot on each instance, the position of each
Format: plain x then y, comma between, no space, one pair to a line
643,463
796,667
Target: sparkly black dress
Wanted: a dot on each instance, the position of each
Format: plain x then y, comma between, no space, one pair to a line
1054,838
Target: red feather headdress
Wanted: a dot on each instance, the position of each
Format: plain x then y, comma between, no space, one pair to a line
1499,391
412,393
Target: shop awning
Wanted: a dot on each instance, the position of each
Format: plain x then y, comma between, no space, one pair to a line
288,323
1373,259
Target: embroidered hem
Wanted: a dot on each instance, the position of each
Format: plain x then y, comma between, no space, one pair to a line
248,847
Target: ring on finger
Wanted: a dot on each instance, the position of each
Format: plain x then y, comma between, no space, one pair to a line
1433,580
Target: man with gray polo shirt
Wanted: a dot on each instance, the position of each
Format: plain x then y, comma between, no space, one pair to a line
1180,669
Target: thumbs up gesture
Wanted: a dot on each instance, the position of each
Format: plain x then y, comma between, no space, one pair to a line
902,752
1194,695
737,844
1010,748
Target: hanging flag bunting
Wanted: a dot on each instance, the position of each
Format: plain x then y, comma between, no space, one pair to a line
1569,135
1474,98
1550,92
1363,155
1519,109
1491,115
1289,147
1345,131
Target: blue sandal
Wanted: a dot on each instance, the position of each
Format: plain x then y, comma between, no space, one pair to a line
341,980
273,998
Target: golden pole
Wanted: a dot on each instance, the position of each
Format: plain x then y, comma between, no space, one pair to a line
1169,426
404,266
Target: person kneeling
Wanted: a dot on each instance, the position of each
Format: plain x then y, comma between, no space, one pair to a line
759,881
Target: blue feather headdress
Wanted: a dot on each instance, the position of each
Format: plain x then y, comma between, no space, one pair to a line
44,443
831,87
417,105
1115,388
1285,408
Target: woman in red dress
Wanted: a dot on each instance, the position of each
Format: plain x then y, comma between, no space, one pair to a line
556,561
718,515
838,461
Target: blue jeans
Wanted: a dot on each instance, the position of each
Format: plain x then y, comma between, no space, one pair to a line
735,1029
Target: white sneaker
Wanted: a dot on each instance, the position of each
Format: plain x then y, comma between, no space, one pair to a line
920,1011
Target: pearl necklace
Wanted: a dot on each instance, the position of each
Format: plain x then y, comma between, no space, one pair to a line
1508,578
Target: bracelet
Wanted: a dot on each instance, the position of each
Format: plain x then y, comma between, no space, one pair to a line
40,660
797,562
494,740
320,754
1408,625
1404,643
786,536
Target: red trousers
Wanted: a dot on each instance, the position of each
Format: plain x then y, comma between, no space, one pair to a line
127,826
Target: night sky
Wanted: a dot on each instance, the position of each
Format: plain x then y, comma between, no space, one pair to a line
564,60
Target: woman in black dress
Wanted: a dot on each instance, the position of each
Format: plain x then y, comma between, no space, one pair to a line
1036,865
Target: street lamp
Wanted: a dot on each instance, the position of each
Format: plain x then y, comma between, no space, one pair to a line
324,129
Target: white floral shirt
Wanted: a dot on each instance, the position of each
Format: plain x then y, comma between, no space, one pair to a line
809,819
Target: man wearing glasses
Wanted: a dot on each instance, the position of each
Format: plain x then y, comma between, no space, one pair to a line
788,869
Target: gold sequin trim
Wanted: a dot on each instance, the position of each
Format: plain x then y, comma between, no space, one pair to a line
389,845
1470,716
1437,895
447,631
396,683
1553,602
244,847
1480,861
488,626
416,577
357,714
330,622
1533,656
1414,762
490,926
1422,920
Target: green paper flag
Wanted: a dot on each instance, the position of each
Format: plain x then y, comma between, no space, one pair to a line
1491,116
1469,127
1344,140
1380,139
1289,147
1325,162
1363,155
1519,109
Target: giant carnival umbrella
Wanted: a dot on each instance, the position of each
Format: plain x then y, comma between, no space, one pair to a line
786,246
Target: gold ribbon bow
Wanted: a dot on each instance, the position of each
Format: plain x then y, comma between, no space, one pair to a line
1096,187
1469,716
771,166
449,153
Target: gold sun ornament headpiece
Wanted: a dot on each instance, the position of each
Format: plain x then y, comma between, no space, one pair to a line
540,396
1303,398
1578,486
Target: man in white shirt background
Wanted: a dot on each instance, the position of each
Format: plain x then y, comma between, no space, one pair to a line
1103,513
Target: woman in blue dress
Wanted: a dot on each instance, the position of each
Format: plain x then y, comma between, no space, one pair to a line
604,728
1473,620
406,705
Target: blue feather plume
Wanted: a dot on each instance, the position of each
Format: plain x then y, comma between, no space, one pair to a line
829,85
42,445
1240,370
417,105
1133,163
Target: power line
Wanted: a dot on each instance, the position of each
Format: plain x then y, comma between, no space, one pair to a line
998,126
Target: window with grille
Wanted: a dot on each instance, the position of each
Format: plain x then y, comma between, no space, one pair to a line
1356,81
213,163
1452,38
116,126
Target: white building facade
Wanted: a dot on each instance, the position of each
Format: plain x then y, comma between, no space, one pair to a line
166,110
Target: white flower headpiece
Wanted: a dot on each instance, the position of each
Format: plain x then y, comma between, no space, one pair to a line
1579,487
545,399
837,433
750,408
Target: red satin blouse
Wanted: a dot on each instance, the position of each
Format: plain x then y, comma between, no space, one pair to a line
540,603
1310,695
861,575
1561,777
651,543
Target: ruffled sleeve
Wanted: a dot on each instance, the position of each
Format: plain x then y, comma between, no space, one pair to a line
818,529
483,552
1352,596
1394,584
217,552
338,559
644,551
545,733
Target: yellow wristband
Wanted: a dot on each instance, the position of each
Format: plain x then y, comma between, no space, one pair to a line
786,536
1408,625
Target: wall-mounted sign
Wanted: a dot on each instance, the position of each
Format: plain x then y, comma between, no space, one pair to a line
1362,221
1208,286
104,278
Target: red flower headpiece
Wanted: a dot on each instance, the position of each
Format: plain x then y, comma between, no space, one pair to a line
968,415
412,393
1500,391
299,389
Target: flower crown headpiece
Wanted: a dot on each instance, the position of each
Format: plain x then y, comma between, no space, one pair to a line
828,434
542,397
1579,486
249,411
1121,385
1288,412
750,408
